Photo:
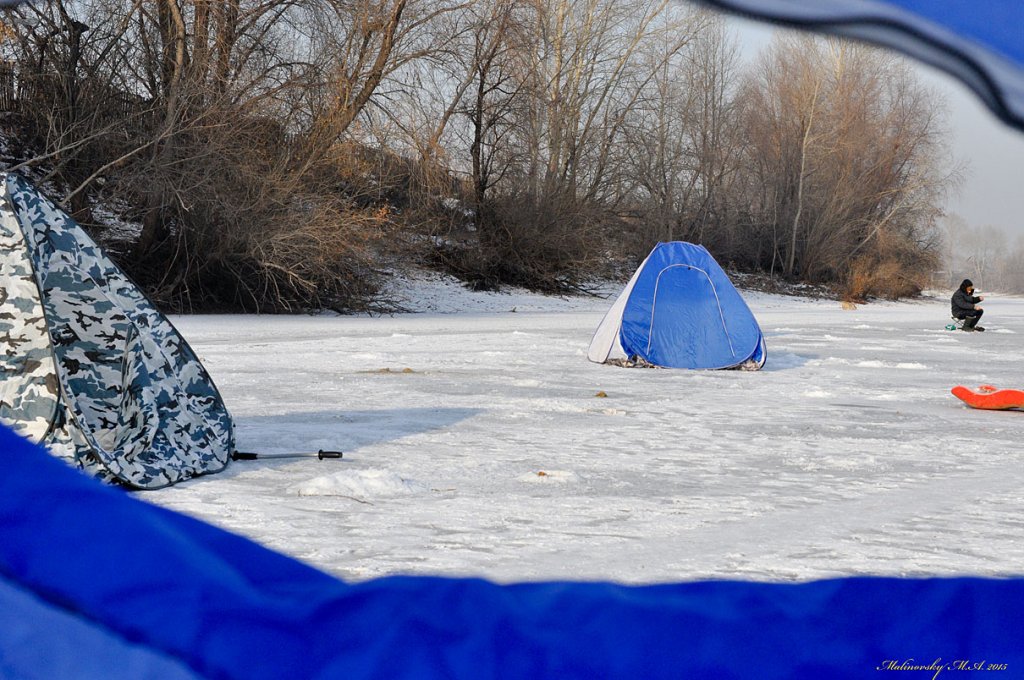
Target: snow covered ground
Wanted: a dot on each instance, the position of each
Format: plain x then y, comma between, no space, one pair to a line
476,444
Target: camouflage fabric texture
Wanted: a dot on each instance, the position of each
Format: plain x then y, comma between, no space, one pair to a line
90,368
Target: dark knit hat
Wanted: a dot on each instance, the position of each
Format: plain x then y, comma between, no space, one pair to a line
966,284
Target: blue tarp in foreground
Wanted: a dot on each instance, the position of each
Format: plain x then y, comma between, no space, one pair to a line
96,583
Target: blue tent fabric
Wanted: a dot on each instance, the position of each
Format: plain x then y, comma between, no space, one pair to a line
98,573
42,640
979,42
684,312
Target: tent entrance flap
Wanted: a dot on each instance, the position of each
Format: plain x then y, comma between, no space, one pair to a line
687,312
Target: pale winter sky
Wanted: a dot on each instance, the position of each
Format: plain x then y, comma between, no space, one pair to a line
993,190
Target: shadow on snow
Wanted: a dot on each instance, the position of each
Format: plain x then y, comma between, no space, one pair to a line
305,431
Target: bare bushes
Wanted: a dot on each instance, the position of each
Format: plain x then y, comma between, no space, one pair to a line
549,246
240,231
224,126
315,255
275,153
894,267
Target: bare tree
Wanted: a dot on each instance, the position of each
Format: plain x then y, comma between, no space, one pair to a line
265,146
213,98
681,140
851,144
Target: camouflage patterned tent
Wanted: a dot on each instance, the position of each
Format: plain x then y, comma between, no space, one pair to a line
89,367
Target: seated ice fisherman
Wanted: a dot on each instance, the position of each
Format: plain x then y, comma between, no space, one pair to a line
965,306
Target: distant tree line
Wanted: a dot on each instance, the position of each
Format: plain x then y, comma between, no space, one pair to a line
281,155
987,255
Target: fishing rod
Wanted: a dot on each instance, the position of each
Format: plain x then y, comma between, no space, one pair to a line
321,454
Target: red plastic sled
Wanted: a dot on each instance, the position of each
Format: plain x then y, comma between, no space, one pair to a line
989,397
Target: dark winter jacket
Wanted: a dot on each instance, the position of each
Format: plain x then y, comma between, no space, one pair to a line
963,303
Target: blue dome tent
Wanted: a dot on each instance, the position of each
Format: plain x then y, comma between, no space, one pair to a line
680,310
